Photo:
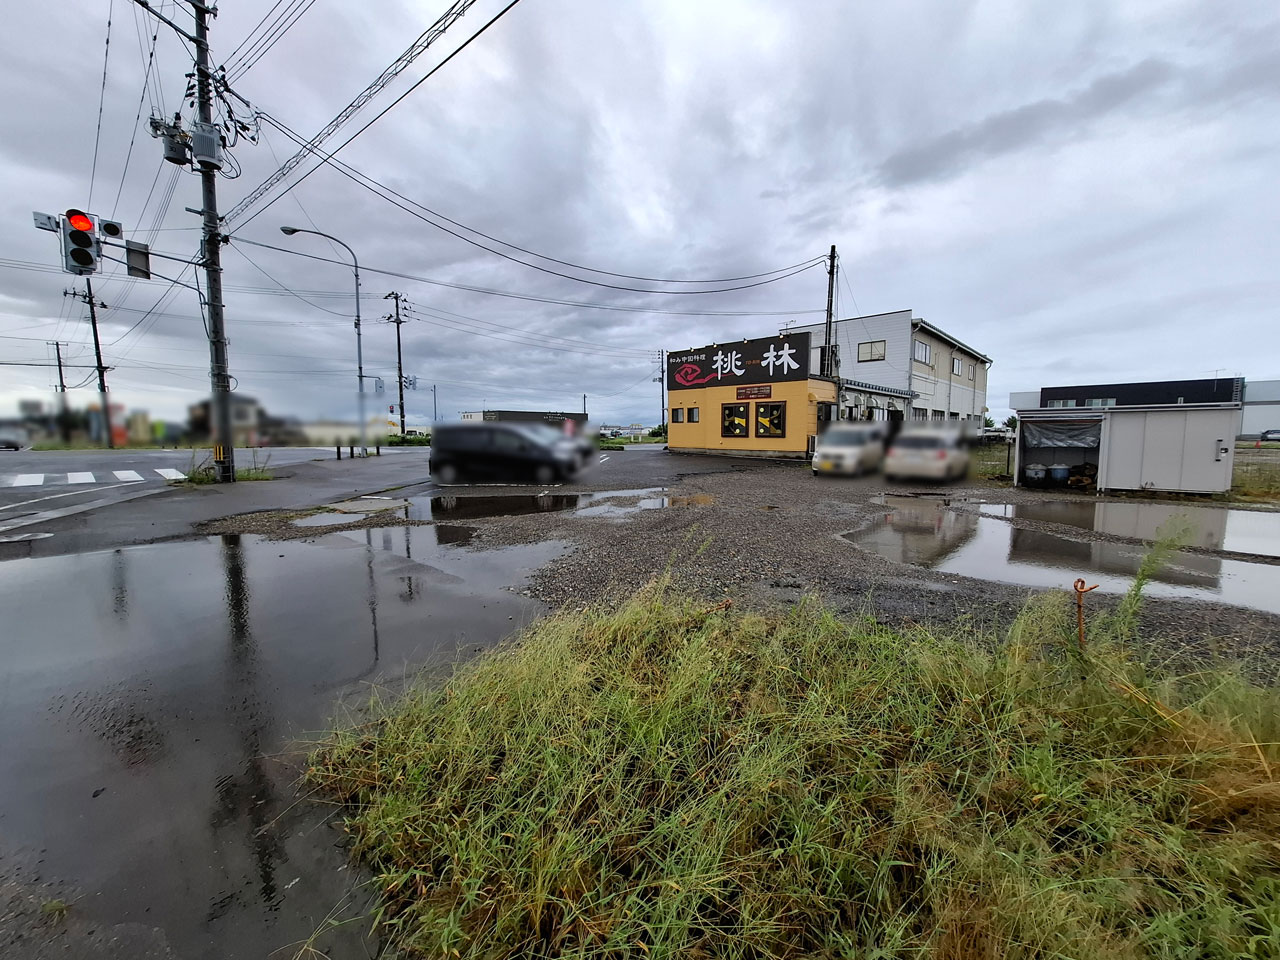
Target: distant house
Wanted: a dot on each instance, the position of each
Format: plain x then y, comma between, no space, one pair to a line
246,419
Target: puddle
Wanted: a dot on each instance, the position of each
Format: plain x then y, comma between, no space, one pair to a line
925,533
450,508
1241,531
324,520
147,695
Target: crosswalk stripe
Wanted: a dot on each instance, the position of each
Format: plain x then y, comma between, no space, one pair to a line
80,477
170,474
28,480
127,475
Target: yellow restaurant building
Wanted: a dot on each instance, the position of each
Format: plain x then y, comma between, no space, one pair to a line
747,398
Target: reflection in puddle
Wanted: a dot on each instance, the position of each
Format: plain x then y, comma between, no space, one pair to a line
324,520
146,710
926,533
453,509
1241,531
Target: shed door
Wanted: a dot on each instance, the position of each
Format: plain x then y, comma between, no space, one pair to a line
1205,465
1124,452
1163,451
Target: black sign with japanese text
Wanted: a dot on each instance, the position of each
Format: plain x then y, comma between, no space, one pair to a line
766,360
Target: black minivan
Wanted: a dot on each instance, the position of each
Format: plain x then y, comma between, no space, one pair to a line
500,453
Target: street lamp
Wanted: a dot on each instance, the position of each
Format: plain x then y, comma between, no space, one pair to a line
289,232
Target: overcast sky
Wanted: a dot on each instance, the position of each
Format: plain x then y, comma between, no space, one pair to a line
1086,192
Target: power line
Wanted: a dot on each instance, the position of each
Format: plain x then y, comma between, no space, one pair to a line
251,33
534,298
456,11
137,120
364,180
570,341
250,59
102,97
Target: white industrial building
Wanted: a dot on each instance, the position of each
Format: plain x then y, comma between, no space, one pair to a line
897,366
1261,407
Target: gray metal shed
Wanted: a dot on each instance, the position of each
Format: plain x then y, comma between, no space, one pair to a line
1173,448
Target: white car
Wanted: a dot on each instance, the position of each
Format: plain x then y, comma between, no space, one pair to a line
926,455
847,449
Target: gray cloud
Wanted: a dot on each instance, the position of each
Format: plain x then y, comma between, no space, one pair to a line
1026,126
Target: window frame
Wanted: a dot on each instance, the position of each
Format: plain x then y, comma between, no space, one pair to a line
973,369
782,405
694,415
746,422
921,352
957,367
677,414
871,345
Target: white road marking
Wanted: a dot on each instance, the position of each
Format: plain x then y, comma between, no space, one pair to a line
604,458
28,480
59,496
127,475
170,474
80,477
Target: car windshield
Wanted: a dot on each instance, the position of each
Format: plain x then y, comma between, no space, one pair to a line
845,437
920,442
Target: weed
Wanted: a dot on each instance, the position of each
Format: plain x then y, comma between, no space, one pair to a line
206,471
54,910
667,779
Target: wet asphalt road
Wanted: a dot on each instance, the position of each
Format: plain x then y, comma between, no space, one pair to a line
153,698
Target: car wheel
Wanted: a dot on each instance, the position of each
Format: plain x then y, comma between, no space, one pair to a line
544,474
446,473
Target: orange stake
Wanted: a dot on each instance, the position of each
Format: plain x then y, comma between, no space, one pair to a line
1081,590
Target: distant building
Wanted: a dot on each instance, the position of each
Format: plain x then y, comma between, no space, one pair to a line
138,427
1261,407
246,416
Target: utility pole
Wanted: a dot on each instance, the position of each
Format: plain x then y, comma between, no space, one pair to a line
219,374
662,385
828,361
87,297
584,404
399,362
434,413
64,428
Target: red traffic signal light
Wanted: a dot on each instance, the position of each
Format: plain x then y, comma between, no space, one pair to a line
79,243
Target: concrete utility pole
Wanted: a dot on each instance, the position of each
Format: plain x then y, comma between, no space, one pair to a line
219,374
64,428
399,362
434,413
87,297
828,361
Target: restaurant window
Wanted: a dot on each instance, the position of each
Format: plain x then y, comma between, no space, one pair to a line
771,419
870,350
733,419
677,414
922,351
693,414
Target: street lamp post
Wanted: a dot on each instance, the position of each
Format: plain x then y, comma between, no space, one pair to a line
289,232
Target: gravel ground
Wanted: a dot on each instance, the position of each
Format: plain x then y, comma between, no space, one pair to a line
769,533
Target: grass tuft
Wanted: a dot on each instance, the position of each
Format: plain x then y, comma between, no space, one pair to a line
670,780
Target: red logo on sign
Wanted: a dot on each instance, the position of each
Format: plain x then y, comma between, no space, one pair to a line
687,375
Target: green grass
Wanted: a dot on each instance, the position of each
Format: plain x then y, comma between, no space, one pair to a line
668,780
206,471
611,445
989,460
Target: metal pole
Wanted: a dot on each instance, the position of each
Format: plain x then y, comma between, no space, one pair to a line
102,371
364,445
662,385
434,414
219,374
828,367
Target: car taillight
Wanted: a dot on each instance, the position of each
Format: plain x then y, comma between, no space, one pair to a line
942,454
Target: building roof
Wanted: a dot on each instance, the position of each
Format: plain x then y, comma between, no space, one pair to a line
876,388
943,335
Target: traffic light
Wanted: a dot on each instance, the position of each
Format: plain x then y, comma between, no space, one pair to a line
80,248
